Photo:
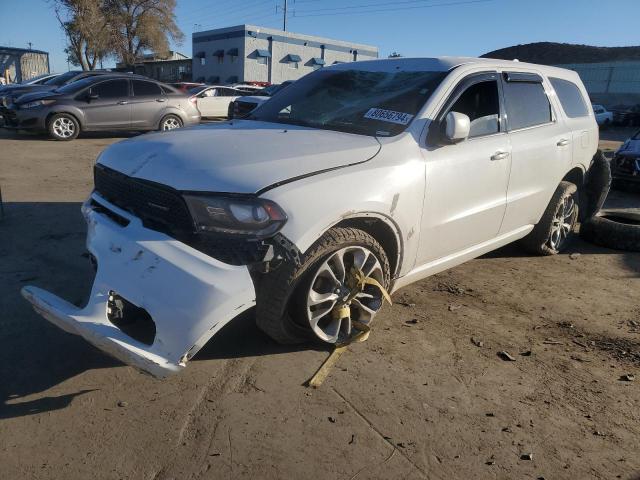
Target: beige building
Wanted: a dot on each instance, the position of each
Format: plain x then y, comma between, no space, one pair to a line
248,53
19,64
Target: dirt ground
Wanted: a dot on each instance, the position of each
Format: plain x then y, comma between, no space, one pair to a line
426,397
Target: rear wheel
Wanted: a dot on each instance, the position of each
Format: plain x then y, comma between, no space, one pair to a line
555,229
296,304
63,126
170,122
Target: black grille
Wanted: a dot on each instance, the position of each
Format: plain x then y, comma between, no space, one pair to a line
160,208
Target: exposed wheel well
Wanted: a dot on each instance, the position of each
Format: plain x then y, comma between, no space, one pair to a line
383,234
48,119
575,176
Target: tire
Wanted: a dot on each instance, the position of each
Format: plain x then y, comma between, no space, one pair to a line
540,240
281,302
617,229
170,122
596,186
63,127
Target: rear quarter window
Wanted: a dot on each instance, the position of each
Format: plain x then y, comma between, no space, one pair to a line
570,98
526,104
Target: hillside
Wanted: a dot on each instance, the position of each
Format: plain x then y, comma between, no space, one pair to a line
549,53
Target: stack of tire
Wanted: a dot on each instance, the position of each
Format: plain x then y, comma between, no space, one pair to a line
613,228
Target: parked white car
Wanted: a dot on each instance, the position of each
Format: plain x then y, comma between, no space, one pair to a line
358,175
214,101
603,117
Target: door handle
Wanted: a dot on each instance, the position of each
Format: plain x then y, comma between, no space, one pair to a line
161,99
499,155
122,102
563,142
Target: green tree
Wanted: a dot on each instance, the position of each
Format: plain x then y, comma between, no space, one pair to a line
137,26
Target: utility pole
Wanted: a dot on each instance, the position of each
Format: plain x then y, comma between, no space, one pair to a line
284,22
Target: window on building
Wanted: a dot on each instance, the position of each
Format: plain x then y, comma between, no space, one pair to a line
526,104
480,102
142,88
261,60
294,65
111,89
220,60
570,98
203,61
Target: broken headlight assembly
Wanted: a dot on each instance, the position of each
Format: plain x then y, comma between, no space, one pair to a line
228,215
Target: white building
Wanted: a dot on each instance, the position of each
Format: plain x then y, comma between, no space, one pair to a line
250,53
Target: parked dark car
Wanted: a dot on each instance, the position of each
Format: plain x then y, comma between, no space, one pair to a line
106,102
8,96
625,166
625,115
39,80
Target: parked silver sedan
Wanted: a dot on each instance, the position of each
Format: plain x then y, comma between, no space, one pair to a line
106,102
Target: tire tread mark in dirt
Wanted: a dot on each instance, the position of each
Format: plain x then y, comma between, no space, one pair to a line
373,427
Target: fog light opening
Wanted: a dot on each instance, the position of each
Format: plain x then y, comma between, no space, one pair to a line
130,319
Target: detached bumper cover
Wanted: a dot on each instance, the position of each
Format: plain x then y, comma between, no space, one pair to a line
189,295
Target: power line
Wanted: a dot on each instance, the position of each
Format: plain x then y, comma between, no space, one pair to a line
392,9
236,13
232,11
380,4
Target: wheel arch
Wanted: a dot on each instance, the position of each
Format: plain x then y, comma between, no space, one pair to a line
383,230
75,115
576,176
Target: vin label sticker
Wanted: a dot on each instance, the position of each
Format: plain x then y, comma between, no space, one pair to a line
388,116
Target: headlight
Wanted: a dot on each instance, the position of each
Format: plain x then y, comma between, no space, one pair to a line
255,217
37,103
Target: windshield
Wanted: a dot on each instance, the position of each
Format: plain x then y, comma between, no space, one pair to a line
197,90
61,79
352,101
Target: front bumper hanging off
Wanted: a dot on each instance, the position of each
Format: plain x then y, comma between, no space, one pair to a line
188,295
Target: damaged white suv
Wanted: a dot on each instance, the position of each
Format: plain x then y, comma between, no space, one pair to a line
378,172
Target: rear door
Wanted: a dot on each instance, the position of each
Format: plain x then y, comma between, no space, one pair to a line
110,108
147,102
207,102
541,148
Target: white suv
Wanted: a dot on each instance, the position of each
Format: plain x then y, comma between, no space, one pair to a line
358,175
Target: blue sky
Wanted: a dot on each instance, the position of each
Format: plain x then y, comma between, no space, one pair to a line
411,27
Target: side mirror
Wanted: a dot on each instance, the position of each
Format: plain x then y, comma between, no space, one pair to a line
457,127
92,96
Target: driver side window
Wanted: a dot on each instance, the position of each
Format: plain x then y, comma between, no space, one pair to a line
480,102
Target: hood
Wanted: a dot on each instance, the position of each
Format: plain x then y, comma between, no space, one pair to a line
24,89
31,96
236,157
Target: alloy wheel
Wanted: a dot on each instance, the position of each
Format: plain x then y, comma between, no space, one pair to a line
563,223
64,127
170,124
329,290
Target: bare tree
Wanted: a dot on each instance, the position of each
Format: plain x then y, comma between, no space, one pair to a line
87,31
142,25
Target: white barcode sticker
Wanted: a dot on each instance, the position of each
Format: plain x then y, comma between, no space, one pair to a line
388,116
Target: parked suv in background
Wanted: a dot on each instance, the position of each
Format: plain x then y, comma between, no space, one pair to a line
243,105
106,102
359,175
603,117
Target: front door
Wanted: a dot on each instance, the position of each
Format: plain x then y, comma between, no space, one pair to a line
109,106
466,183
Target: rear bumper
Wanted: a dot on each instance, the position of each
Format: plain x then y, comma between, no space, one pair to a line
189,295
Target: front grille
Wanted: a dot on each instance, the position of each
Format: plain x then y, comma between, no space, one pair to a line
243,108
160,208
163,209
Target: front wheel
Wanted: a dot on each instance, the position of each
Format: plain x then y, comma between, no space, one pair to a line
555,229
295,304
170,122
63,127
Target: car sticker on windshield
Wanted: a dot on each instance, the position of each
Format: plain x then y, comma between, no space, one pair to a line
388,116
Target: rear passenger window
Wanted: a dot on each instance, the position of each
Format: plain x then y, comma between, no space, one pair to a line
526,104
141,88
570,97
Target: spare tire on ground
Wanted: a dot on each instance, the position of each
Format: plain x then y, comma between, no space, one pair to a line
613,228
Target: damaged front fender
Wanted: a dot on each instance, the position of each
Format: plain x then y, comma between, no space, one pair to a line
188,295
